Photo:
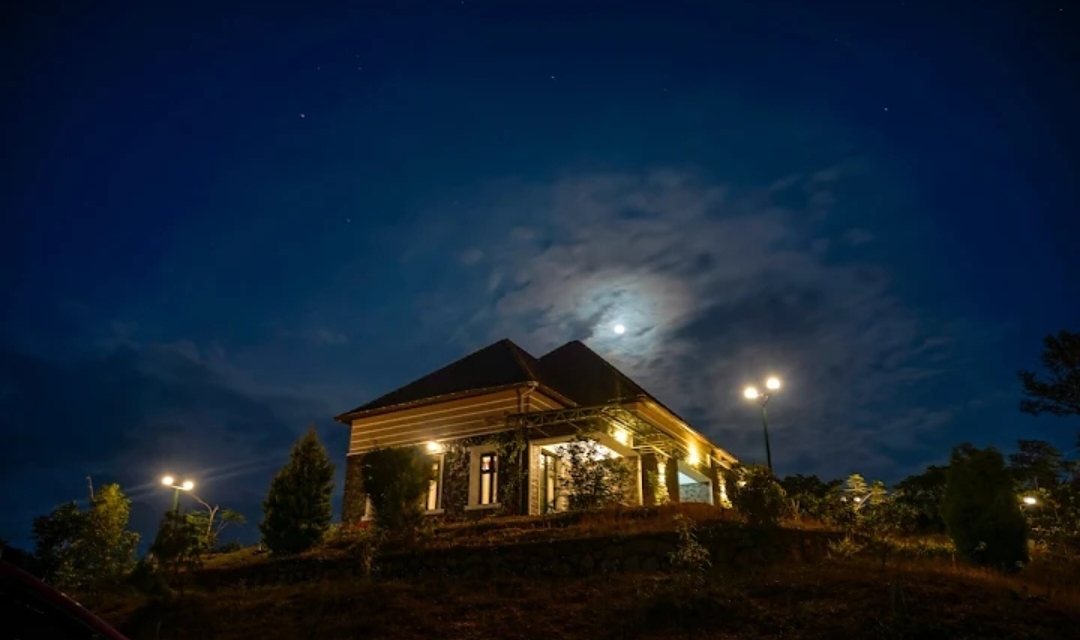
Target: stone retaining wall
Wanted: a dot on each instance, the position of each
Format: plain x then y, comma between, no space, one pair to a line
731,547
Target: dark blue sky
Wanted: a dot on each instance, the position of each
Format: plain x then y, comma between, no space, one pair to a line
223,222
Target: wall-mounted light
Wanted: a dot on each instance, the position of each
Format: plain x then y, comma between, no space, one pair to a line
434,447
620,435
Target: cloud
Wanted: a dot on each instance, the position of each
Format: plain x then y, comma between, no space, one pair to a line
719,287
472,256
858,237
130,413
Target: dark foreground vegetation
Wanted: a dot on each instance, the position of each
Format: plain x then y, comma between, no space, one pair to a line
854,597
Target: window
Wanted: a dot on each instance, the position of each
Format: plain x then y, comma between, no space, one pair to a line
433,496
489,470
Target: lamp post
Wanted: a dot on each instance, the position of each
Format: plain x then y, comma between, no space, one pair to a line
186,485
762,398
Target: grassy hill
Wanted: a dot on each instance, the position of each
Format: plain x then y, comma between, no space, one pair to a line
908,593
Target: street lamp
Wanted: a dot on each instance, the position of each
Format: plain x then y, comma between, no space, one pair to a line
1030,500
186,485
762,398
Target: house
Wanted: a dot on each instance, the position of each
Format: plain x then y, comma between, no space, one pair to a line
468,415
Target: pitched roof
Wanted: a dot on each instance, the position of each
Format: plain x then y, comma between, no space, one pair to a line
582,375
498,365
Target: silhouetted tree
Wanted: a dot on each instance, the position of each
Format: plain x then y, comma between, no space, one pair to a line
397,480
1037,465
80,550
1059,393
755,493
810,496
981,510
923,493
297,509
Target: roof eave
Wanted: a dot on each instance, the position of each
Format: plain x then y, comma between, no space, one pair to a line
347,417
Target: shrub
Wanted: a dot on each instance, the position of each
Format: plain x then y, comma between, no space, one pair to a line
690,558
594,481
397,480
755,493
981,511
297,509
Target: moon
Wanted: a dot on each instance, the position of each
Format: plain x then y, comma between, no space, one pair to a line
619,329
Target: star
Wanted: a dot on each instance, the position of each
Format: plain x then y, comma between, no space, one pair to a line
302,115
552,77
886,108
348,219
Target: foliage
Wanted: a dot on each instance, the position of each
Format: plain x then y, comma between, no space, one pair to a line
297,509
147,579
845,547
981,511
920,496
1037,464
397,480
511,450
755,493
659,487
690,558
1059,393
593,480
810,496
178,545
86,550
211,521
58,537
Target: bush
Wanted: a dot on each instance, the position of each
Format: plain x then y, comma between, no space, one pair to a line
297,509
592,480
755,493
981,511
397,480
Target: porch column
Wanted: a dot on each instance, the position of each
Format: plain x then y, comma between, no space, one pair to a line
671,479
650,473
716,479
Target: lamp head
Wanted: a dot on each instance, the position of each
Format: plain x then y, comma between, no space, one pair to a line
773,383
751,393
188,485
167,481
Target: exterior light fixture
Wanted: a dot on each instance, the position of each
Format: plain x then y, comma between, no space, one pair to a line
167,481
188,485
434,447
752,393
1030,500
620,435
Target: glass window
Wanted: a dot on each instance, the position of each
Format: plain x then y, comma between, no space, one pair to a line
489,472
433,487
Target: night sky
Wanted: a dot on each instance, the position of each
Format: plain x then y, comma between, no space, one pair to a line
223,222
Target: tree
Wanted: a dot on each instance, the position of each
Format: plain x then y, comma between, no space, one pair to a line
981,511
809,495
593,479
397,480
178,545
922,494
755,493
81,550
297,509
58,537
1037,464
1059,393
211,521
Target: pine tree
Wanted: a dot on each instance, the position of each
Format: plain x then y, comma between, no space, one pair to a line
297,509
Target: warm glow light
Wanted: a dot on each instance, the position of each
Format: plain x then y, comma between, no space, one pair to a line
188,485
692,458
434,447
858,499
773,383
621,435
1030,500
620,329
167,481
750,393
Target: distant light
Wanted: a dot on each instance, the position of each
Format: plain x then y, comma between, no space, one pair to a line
857,499
620,329
773,383
188,485
434,447
1030,500
741,483
167,481
750,393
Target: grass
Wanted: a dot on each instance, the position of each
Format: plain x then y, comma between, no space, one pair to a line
885,590
849,598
